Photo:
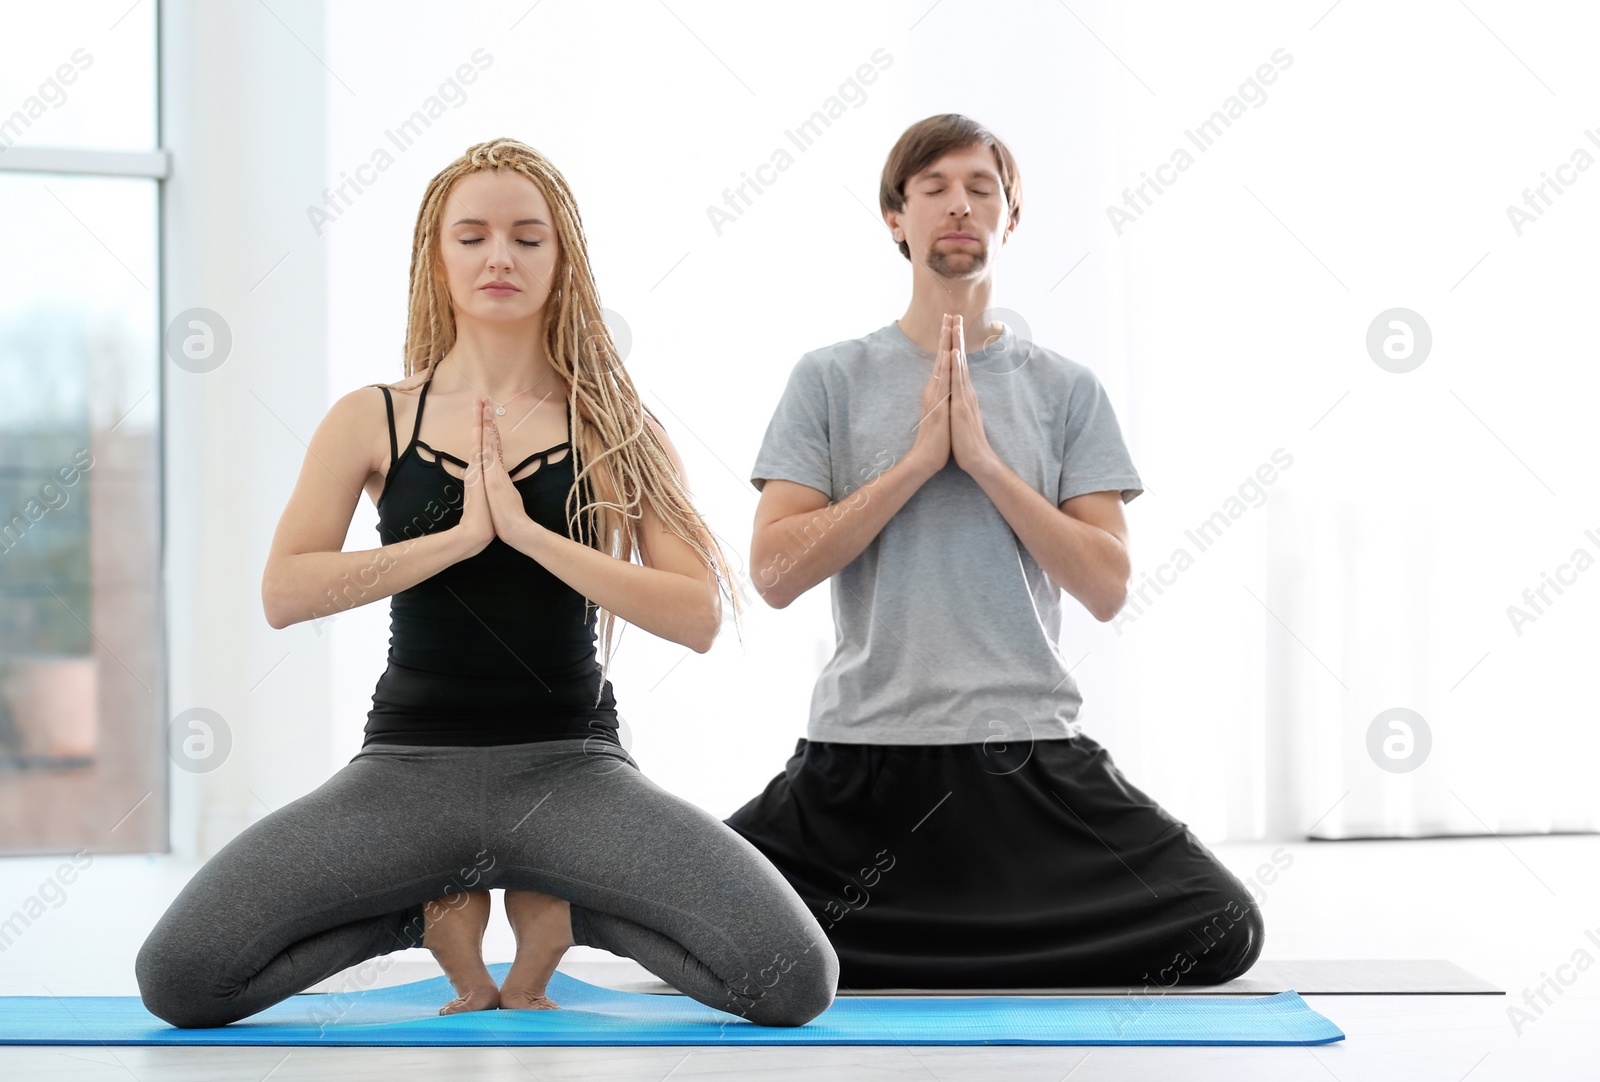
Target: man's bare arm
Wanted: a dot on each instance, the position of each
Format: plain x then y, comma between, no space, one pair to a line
801,539
1082,545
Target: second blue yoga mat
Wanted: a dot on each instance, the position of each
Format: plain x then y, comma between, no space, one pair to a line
407,1014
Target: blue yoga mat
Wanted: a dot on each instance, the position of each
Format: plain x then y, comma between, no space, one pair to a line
408,1014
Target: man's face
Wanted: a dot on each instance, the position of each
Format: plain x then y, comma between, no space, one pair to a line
956,216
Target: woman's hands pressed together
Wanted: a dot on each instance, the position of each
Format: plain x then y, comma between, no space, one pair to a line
491,505
477,520
506,508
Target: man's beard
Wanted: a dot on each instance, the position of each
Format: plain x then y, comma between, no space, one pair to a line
957,263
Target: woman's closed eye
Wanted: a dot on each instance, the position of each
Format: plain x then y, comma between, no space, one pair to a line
524,243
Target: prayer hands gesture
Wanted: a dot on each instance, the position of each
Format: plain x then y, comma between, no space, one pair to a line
492,506
951,421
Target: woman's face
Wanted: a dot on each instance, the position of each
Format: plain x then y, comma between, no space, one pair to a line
497,247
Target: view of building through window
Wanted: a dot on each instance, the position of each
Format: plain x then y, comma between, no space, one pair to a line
81,695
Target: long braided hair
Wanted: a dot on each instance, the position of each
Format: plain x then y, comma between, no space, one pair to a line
607,418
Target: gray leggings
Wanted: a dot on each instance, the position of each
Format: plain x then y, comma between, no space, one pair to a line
341,874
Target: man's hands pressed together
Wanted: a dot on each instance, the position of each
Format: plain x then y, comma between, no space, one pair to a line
968,442
1083,549
952,423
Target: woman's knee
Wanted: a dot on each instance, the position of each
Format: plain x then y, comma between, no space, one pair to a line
792,992
174,988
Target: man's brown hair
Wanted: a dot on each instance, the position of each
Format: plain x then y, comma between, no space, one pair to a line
925,142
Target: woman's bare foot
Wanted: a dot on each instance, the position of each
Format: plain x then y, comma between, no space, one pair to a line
479,999
542,924
454,933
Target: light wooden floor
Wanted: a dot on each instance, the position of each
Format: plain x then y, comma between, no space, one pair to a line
1511,911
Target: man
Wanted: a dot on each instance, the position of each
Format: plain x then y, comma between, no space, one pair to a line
944,817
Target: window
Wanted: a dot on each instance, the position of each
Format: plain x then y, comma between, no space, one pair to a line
82,696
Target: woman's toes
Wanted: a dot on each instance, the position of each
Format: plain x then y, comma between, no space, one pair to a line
479,999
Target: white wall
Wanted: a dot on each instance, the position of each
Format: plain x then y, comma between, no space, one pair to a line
1376,173
1227,321
242,112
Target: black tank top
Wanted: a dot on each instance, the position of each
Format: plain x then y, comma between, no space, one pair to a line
494,649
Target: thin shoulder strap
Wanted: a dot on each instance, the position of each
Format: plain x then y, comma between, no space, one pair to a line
422,399
394,447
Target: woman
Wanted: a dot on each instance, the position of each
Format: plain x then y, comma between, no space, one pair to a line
491,758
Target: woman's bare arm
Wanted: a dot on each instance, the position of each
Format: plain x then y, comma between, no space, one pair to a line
307,575
673,595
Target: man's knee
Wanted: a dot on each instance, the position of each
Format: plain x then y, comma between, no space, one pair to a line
1233,935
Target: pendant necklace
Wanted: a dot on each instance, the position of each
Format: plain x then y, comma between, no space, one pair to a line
500,409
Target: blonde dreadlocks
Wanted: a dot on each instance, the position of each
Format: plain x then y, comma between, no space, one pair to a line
607,418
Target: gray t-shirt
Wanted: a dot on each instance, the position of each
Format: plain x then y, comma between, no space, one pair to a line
946,626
